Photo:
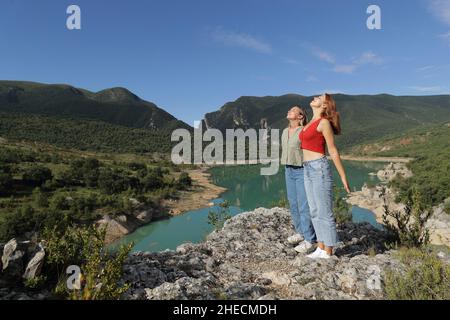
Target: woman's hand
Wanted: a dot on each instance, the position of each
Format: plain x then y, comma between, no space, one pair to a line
346,186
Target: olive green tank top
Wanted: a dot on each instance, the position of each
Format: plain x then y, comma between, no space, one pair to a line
291,154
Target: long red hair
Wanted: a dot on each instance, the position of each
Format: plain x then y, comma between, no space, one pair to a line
331,114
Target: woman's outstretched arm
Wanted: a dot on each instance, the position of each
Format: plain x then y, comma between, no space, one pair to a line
327,132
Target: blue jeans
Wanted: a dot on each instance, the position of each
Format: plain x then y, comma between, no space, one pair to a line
319,191
298,203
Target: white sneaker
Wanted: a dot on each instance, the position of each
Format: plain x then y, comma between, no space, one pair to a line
324,255
319,254
315,254
295,239
303,247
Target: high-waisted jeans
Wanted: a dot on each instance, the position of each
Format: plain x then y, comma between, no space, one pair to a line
319,191
298,203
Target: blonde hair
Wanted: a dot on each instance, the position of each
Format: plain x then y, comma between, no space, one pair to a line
304,120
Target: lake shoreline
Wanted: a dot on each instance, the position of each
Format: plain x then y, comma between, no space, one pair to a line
376,159
369,197
200,195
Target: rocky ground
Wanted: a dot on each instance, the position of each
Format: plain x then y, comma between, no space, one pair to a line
251,259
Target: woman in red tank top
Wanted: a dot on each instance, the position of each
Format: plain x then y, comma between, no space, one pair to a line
311,139
318,180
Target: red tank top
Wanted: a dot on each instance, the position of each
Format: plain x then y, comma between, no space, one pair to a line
311,139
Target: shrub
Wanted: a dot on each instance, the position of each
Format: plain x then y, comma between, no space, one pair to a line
447,208
217,218
6,182
135,166
37,175
426,277
184,181
408,227
35,283
282,202
341,209
40,198
84,247
59,201
18,222
114,181
153,180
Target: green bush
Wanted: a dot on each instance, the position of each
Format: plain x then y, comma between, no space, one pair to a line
35,283
113,181
36,175
40,198
153,180
447,208
20,221
282,202
136,166
430,178
407,228
184,181
84,247
217,218
341,209
426,277
6,182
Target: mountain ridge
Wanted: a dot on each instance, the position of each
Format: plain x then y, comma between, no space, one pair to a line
115,105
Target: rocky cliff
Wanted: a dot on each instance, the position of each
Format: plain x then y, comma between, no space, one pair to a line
250,259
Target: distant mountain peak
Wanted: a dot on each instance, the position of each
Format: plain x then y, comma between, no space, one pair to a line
116,94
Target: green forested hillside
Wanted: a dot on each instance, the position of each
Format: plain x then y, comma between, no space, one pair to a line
82,134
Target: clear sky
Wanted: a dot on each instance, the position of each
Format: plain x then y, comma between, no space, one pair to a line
192,56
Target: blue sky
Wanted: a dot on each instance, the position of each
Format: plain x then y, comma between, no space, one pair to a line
192,56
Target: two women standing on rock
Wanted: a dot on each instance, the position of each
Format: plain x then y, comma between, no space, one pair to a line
292,158
312,204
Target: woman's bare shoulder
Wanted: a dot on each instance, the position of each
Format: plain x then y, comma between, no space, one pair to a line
324,123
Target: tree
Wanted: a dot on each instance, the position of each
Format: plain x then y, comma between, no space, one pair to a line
153,180
40,198
37,175
6,182
184,180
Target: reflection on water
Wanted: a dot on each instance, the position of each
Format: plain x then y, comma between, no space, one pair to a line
247,190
